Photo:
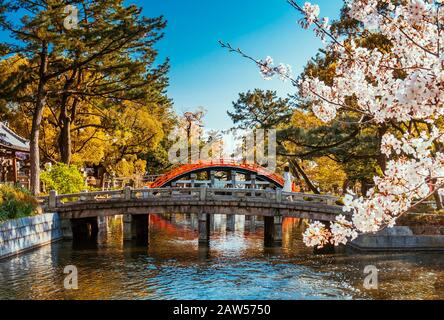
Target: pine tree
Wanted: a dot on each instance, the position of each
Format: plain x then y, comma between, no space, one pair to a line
108,56
259,108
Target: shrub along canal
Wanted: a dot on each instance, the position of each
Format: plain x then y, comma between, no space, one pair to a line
235,266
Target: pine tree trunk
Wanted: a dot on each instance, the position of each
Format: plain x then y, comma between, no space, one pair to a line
34,147
65,120
345,186
364,188
36,122
439,148
65,139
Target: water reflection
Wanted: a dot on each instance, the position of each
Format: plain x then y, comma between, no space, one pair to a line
235,266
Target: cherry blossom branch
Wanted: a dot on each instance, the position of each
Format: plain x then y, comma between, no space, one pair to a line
286,76
438,26
319,26
401,29
258,62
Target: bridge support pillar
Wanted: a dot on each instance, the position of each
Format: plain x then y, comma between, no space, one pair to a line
231,222
204,228
273,231
250,223
66,227
212,224
136,227
102,222
85,228
129,230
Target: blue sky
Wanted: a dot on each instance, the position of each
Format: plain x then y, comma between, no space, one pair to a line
204,74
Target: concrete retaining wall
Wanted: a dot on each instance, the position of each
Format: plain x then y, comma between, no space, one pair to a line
423,223
27,233
398,239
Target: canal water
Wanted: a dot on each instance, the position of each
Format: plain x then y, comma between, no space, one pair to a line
235,266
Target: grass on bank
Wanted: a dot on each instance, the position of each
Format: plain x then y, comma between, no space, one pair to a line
16,202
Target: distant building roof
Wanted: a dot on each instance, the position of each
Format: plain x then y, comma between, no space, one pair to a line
10,140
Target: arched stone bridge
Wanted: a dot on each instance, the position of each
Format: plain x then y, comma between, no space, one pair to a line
137,204
259,174
195,200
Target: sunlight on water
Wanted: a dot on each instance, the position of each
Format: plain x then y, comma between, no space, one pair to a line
235,266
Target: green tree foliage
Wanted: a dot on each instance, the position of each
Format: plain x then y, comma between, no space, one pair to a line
157,160
328,174
259,108
63,178
264,110
130,169
78,74
361,172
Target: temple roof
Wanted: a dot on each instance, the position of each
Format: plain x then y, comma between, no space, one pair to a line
10,140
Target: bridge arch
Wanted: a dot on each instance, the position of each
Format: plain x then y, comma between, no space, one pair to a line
262,174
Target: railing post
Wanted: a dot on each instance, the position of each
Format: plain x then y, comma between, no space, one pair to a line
213,179
127,193
203,192
145,192
233,179
253,184
52,203
273,231
193,177
278,195
253,181
83,198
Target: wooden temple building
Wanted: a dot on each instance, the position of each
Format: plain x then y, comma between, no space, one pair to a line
14,157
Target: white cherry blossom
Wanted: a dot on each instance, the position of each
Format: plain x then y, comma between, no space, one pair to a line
415,166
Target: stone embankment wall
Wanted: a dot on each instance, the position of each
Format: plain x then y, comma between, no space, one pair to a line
423,224
399,238
27,233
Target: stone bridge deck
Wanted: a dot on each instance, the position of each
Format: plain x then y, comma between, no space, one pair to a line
134,204
194,200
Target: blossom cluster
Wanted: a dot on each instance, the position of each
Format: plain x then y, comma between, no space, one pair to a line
268,70
398,86
311,16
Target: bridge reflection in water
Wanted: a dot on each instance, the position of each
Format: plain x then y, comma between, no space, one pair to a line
236,265
181,225
236,235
